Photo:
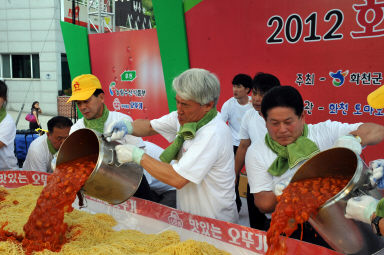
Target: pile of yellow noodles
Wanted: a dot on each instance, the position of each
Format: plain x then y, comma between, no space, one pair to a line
96,233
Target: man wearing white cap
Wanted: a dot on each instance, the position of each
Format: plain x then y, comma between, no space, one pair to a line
89,97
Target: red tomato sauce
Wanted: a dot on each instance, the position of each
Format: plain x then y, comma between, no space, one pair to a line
11,236
3,193
45,228
299,201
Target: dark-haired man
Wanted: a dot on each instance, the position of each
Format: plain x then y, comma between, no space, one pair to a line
233,111
89,97
234,108
252,127
41,151
252,130
290,142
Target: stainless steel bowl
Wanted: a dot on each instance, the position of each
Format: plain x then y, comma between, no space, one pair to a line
109,181
344,235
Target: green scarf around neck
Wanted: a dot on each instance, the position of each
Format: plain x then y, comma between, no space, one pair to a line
97,124
186,132
3,113
292,154
380,208
51,149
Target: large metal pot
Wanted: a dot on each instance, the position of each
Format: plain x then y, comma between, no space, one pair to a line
109,181
342,234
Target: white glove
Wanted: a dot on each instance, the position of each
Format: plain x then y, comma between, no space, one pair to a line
127,153
350,142
279,187
118,129
376,167
361,208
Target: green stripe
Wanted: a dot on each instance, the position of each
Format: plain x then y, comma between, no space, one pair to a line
189,4
380,208
171,33
76,46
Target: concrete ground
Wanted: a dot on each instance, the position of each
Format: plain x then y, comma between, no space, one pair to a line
24,124
243,214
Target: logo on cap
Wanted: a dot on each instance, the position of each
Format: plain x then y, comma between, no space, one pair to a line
76,86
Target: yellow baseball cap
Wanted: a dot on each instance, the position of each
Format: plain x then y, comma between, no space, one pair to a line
83,87
376,98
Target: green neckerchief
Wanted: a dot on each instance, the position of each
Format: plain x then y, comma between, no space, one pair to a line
97,124
380,208
3,113
51,149
290,155
186,132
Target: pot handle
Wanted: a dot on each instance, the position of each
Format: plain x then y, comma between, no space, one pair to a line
82,200
114,159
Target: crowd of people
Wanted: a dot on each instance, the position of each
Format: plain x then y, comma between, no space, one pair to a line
261,129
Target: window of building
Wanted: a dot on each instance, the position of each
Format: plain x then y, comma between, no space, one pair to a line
65,76
20,66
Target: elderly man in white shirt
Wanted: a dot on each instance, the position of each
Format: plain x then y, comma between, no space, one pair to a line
202,148
163,193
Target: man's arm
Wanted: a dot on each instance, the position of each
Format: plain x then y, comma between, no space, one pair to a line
369,133
37,118
381,223
163,172
266,201
142,127
240,155
1,144
259,180
224,112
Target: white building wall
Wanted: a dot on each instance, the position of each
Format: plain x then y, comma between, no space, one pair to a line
33,26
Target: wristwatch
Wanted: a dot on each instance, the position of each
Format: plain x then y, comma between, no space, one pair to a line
375,225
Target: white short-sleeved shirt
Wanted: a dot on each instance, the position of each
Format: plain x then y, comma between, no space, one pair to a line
207,161
112,117
155,151
260,157
252,127
39,157
8,160
233,112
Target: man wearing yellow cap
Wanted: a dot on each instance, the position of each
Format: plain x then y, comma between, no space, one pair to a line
89,97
